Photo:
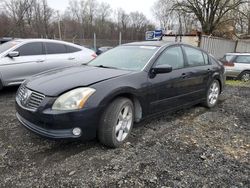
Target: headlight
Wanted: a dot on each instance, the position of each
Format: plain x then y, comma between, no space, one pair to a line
73,100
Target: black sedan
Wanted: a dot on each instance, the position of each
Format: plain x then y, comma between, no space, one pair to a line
124,85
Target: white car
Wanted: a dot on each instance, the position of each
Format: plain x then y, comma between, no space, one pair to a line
22,58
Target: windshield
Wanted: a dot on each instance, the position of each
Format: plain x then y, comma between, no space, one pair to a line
7,46
125,57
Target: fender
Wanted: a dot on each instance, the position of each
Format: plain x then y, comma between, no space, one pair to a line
129,91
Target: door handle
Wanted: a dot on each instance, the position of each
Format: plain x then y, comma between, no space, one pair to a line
71,58
209,70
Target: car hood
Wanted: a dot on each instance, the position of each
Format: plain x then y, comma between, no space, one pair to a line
59,81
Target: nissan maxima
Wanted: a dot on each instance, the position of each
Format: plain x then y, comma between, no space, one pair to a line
125,85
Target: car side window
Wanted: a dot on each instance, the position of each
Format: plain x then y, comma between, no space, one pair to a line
194,57
243,59
72,49
34,48
55,48
172,56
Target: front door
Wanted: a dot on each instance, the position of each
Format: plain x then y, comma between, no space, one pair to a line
29,62
167,89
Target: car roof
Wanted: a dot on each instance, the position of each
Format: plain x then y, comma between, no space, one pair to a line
44,40
231,54
149,43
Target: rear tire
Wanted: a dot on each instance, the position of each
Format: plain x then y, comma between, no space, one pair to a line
212,95
116,123
245,76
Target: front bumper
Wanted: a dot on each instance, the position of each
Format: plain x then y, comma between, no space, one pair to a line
58,125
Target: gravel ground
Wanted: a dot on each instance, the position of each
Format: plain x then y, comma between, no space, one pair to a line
196,147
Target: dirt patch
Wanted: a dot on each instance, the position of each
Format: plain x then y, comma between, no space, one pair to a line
196,147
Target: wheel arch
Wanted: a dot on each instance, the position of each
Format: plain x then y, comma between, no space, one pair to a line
247,70
138,107
217,77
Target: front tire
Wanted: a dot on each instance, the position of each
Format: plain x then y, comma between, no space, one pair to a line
116,123
212,95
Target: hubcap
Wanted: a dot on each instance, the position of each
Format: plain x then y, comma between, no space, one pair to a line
245,77
124,123
213,93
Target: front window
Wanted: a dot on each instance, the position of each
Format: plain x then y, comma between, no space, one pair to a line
8,45
132,58
173,57
30,49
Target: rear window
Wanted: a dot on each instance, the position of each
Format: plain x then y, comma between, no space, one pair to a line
214,61
55,48
228,58
72,49
194,57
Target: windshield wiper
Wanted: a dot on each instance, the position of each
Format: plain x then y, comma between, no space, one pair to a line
106,67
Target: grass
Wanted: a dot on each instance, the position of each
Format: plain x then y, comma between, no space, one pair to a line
237,83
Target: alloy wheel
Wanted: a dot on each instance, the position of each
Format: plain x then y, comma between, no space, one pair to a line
124,123
214,92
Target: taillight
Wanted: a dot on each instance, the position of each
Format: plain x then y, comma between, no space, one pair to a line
94,55
228,64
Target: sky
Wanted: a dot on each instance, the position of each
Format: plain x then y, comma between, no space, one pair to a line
143,6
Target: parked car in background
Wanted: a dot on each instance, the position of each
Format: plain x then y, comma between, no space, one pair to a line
237,65
103,49
124,85
5,39
22,58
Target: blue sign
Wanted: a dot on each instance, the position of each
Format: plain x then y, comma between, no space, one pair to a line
154,35
158,33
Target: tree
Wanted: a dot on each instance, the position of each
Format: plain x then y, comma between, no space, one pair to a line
210,13
162,9
17,11
244,16
40,16
138,23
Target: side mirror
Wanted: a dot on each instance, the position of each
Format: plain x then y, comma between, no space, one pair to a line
162,69
13,54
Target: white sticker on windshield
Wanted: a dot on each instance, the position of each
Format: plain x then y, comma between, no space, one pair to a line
148,47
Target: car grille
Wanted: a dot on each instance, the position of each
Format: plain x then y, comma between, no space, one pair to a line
31,100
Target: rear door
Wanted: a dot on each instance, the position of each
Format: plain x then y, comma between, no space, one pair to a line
29,62
197,72
57,55
79,55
